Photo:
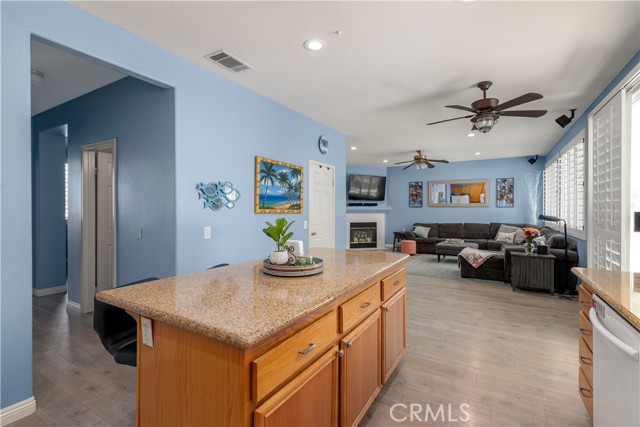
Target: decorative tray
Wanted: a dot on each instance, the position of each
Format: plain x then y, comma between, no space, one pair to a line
293,270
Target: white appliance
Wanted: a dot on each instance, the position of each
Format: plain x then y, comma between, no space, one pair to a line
616,368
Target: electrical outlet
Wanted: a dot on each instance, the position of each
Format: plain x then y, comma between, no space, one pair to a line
207,232
139,233
147,331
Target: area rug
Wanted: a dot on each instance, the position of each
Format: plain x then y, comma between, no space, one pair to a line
428,265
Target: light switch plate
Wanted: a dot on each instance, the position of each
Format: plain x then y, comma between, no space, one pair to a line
147,331
207,232
305,224
139,233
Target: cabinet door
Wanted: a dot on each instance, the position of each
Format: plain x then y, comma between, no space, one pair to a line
360,370
310,399
394,338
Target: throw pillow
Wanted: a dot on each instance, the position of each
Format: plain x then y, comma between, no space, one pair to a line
505,237
540,240
519,234
422,232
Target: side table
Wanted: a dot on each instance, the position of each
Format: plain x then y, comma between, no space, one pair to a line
397,237
532,271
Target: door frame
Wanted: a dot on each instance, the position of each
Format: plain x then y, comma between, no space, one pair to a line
333,211
88,219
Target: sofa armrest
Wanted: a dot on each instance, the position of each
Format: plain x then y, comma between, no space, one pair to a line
410,235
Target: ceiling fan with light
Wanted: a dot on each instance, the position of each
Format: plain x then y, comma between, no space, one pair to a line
487,111
421,162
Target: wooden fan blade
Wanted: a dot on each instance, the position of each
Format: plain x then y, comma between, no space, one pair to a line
429,165
524,113
407,161
407,167
527,97
438,161
461,107
448,120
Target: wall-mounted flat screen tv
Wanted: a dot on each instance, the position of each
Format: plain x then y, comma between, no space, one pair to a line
367,187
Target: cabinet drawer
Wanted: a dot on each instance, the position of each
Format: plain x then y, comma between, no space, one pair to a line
359,307
585,329
586,359
273,368
586,392
584,299
393,283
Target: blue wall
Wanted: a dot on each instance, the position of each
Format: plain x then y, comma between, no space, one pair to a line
219,129
49,225
401,215
581,124
141,118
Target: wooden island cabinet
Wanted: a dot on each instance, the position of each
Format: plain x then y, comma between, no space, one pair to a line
235,347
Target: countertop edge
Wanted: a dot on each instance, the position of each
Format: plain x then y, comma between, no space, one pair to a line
230,337
608,298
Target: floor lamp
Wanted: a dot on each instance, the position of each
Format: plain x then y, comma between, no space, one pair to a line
566,251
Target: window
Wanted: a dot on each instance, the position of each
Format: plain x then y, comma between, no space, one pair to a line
564,186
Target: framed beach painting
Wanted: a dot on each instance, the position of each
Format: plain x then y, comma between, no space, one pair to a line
504,192
415,194
278,187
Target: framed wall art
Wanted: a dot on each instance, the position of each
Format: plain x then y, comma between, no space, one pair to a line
278,187
504,192
415,194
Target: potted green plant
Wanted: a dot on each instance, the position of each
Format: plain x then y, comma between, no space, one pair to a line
280,234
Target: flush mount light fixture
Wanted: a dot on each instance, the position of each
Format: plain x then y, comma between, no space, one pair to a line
314,44
37,78
385,161
354,148
471,134
477,153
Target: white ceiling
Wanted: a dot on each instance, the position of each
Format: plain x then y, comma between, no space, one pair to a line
66,76
395,65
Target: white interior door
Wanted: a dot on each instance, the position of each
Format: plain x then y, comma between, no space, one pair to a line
104,222
322,203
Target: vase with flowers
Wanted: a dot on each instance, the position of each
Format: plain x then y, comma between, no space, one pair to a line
529,235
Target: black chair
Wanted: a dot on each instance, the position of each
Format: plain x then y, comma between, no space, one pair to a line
218,265
117,329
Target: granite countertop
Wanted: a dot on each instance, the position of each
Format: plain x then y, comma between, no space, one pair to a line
619,289
241,305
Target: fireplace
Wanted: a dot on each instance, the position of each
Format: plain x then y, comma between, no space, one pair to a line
363,235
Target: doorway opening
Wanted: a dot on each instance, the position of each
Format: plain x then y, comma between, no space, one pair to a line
98,220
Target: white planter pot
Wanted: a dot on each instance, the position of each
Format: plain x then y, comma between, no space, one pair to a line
279,257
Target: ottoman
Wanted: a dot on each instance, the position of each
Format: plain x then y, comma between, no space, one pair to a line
408,247
491,269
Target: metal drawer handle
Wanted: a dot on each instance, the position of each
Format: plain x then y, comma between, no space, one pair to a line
340,353
365,305
586,360
311,347
586,393
396,283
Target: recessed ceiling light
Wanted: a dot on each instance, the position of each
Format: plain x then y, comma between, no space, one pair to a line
385,161
354,148
477,153
314,44
471,134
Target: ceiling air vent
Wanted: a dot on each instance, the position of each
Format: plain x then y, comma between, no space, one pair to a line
228,61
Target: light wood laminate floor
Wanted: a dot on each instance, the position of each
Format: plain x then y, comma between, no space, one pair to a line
512,357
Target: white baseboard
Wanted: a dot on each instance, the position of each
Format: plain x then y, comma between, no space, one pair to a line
73,308
49,291
17,411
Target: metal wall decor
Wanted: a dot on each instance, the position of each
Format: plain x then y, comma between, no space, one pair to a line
415,194
216,195
504,192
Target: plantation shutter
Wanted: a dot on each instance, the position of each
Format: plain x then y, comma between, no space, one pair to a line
606,186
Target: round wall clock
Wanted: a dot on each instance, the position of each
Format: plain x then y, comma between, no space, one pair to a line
323,145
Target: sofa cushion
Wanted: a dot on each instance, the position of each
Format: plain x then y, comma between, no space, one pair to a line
472,230
556,241
482,243
492,245
519,233
450,230
433,228
494,227
505,237
421,231
427,241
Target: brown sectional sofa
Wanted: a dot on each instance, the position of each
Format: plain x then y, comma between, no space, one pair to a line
483,234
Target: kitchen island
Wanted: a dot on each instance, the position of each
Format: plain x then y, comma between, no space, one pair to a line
234,346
